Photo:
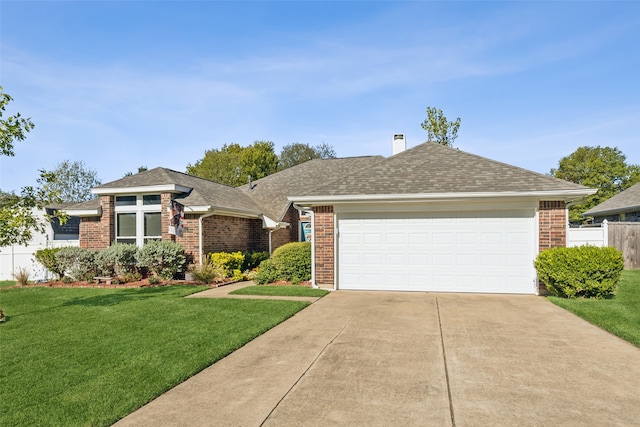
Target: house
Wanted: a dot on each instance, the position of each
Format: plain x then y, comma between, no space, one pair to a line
430,218
433,218
55,235
623,207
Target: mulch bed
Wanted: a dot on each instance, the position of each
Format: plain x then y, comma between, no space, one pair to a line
144,283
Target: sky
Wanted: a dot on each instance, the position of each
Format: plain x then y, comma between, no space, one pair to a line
123,84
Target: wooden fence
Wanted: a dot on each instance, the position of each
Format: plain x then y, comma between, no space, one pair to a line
625,236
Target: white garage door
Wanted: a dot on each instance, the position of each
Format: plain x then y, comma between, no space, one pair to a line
486,251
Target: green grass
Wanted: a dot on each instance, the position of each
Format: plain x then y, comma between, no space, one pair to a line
5,283
281,291
619,315
79,357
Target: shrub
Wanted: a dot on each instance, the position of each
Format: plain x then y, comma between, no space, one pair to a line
162,257
290,262
77,263
204,273
154,280
583,271
22,276
225,263
47,257
253,259
118,259
130,277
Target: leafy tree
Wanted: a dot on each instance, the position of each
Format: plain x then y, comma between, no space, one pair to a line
72,181
18,216
297,153
13,128
604,168
439,129
140,169
233,164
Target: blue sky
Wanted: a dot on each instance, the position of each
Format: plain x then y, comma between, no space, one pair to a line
123,84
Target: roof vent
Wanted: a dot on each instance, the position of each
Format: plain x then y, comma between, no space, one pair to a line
399,143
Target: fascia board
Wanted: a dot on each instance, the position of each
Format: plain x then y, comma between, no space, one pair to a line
566,195
82,212
236,212
164,188
612,211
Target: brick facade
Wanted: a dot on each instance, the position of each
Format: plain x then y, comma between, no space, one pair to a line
97,233
323,241
552,225
289,234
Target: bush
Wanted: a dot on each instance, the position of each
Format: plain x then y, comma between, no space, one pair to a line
118,259
47,257
162,257
205,273
253,259
77,264
22,276
291,262
225,263
583,271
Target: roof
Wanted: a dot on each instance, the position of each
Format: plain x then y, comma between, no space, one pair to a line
190,190
272,192
431,168
625,201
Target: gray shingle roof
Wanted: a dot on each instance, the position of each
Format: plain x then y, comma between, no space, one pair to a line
203,192
271,192
625,201
434,168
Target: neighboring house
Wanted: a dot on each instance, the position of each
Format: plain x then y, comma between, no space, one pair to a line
431,218
16,257
623,207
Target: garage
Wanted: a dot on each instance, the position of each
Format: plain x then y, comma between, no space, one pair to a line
474,251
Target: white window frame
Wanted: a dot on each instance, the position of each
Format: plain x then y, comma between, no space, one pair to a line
139,209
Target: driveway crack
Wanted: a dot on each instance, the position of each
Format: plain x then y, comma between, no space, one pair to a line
315,360
446,368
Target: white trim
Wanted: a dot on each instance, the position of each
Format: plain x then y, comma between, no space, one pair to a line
565,195
82,212
163,188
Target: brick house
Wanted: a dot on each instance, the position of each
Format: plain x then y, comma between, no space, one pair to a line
430,218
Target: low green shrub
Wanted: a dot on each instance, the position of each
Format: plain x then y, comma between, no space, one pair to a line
154,280
253,259
162,257
226,262
291,262
580,272
47,257
77,263
118,259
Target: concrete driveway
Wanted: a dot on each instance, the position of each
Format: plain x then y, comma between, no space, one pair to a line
391,358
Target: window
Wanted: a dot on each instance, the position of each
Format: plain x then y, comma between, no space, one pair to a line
138,219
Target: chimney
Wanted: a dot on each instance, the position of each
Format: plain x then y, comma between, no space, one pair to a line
399,143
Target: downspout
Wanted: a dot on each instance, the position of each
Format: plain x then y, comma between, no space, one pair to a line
200,226
313,243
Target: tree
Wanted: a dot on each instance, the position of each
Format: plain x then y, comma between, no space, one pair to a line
233,164
13,128
297,153
71,181
439,129
604,168
18,216
140,169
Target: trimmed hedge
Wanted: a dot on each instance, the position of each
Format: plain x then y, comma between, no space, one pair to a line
228,264
78,264
580,272
162,257
290,262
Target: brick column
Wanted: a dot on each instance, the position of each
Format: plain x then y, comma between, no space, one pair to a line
165,203
323,241
97,233
552,225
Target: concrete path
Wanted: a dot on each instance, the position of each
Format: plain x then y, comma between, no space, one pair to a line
415,359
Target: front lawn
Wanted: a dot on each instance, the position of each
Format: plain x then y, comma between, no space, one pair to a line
281,291
91,356
5,283
619,315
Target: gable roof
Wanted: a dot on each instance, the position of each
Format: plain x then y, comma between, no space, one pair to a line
434,169
191,191
271,192
625,201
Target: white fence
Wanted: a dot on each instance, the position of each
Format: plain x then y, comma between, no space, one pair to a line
594,236
14,258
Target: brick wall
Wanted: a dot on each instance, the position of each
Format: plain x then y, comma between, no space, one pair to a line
289,234
165,214
190,239
97,233
552,229
323,239
228,234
